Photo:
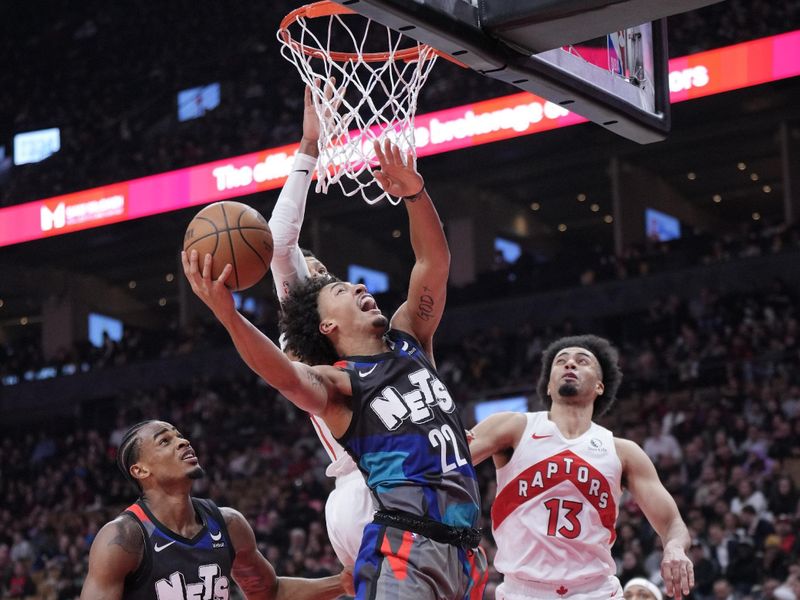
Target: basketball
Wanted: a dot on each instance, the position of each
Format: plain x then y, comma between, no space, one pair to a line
233,233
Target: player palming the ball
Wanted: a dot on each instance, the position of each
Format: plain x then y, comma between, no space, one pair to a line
384,403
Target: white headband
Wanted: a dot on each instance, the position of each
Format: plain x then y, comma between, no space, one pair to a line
642,582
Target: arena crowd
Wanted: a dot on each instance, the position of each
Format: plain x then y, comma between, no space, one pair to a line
711,393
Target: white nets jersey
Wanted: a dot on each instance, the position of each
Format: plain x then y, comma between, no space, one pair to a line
556,506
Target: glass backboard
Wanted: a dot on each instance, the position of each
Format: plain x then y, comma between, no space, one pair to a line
592,57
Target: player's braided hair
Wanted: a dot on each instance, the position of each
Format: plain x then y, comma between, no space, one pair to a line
128,452
606,355
300,322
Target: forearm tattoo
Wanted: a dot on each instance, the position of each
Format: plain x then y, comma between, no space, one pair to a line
425,307
253,579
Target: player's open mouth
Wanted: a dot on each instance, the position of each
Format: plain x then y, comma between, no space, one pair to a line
367,303
189,456
570,377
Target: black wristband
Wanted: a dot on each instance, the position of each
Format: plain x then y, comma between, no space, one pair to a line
414,197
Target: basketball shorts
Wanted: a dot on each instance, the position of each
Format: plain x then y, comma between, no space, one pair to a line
394,564
349,508
512,589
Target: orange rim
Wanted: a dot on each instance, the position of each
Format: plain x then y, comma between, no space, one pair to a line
328,8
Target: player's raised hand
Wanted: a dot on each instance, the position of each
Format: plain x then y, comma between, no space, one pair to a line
310,118
397,175
213,292
677,571
311,128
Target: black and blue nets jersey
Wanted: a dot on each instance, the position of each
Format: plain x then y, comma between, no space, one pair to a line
178,568
406,435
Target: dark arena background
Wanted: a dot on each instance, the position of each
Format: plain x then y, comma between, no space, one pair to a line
685,253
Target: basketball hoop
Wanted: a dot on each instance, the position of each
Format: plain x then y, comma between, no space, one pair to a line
360,94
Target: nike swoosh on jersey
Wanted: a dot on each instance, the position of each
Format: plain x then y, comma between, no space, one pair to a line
217,536
365,373
540,437
158,548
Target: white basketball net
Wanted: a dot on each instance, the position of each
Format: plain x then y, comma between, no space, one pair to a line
370,100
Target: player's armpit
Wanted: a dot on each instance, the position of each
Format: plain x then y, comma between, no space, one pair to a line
316,388
497,435
116,552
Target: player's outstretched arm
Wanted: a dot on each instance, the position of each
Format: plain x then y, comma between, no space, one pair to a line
662,513
309,388
496,435
427,290
256,576
116,552
288,265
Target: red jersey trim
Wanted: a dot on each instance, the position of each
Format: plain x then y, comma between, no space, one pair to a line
323,437
137,510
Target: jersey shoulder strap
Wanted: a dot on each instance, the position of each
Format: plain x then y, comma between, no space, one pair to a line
135,579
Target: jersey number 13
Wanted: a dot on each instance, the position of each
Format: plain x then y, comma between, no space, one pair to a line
570,510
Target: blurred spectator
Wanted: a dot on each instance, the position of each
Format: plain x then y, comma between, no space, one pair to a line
660,443
631,568
783,500
723,590
787,533
640,588
722,545
20,585
746,495
21,550
755,527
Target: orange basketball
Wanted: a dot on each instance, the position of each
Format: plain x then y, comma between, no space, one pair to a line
233,233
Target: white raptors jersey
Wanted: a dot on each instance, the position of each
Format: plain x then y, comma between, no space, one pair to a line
341,462
556,506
